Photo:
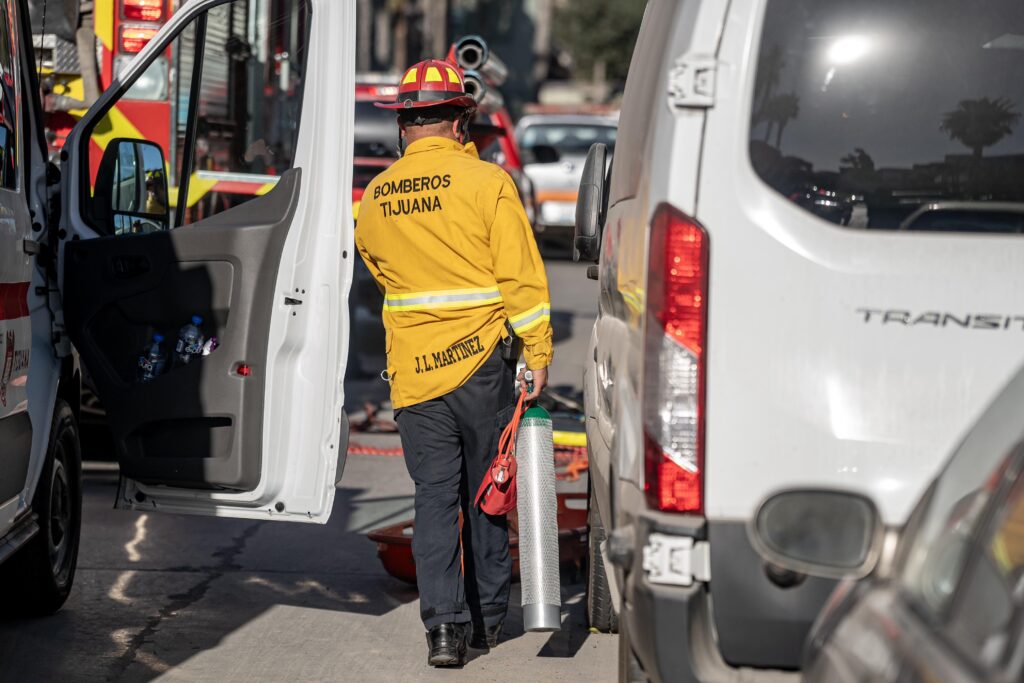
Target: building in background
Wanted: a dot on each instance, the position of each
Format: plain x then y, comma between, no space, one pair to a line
575,53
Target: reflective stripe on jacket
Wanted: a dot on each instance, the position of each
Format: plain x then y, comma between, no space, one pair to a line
445,236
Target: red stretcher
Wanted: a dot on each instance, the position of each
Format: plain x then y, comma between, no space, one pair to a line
394,543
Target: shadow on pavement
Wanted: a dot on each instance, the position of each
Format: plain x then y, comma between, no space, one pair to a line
183,585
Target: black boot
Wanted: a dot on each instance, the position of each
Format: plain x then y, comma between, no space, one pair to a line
485,637
446,645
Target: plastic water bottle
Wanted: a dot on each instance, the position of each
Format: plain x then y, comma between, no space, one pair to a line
190,342
152,360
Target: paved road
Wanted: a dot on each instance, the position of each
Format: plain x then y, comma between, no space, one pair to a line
173,598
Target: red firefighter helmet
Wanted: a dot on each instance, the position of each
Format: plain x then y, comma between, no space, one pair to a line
428,84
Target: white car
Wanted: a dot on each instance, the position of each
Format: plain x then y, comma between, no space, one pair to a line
763,323
554,148
107,258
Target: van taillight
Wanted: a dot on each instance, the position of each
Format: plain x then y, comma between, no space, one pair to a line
676,331
143,10
134,39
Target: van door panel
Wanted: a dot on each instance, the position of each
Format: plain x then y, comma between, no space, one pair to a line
184,427
269,276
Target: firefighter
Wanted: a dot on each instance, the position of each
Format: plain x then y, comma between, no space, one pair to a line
446,237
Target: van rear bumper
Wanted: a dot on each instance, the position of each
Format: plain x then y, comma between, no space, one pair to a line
672,628
758,622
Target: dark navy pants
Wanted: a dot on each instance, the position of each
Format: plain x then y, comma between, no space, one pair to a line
449,442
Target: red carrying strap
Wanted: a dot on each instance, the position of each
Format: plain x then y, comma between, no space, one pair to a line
497,492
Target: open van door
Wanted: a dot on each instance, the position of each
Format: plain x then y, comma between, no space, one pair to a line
213,180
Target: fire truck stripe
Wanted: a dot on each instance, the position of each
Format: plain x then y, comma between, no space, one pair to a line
103,20
13,300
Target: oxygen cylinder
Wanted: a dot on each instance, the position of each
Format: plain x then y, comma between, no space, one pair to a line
538,523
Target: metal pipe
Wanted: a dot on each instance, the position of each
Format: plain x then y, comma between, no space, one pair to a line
488,99
472,53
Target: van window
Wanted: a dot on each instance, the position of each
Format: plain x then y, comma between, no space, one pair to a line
894,115
249,97
222,103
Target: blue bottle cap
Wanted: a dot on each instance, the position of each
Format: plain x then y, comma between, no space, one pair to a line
158,338
197,320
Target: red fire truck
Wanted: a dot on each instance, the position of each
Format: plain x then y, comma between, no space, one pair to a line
252,51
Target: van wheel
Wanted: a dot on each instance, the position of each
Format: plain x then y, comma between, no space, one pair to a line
630,670
600,610
38,578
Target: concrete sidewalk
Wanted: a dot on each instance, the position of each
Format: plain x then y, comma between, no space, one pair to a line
174,598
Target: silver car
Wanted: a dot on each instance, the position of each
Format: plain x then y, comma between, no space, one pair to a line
942,599
554,148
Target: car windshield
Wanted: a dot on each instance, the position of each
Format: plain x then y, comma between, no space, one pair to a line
864,111
568,138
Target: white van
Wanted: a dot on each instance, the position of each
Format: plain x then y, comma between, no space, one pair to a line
772,313
101,254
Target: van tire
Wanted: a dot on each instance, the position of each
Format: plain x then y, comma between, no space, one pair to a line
600,609
38,578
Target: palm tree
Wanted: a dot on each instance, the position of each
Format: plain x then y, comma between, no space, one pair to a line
858,160
780,110
769,73
980,123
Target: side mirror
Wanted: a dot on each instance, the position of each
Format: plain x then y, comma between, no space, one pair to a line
832,534
131,188
542,154
590,205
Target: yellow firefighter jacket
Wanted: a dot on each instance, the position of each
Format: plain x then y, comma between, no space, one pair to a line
446,238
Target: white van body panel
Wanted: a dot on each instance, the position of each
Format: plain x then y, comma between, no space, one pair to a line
805,388
671,164
816,375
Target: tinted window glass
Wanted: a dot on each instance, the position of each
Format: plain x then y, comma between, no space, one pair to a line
249,99
568,138
234,123
937,551
865,111
376,132
993,588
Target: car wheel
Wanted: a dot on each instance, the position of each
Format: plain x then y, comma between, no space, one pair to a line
630,670
38,578
600,610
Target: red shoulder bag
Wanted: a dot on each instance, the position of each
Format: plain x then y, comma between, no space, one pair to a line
497,492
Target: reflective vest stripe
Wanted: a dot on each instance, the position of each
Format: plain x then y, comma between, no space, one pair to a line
531,318
450,298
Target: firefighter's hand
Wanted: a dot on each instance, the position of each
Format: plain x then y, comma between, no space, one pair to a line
540,380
